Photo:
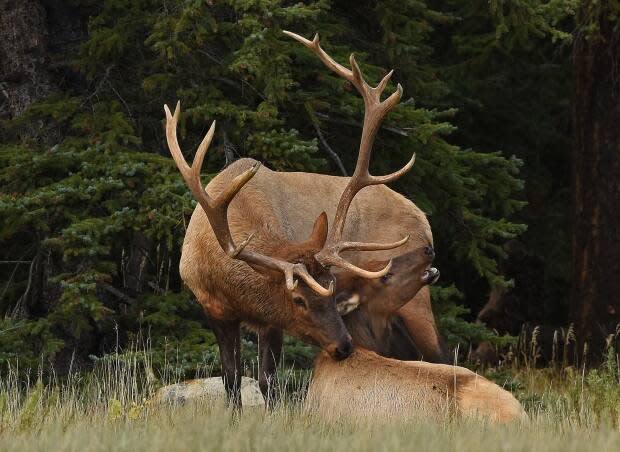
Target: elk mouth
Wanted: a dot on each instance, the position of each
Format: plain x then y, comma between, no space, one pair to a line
430,276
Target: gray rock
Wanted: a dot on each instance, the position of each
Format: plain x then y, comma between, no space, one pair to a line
209,388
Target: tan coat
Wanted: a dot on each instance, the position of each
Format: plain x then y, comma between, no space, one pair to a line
369,387
278,204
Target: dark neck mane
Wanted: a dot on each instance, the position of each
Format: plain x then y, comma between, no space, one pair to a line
385,336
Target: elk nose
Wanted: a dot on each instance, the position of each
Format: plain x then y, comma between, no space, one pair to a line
343,350
430,252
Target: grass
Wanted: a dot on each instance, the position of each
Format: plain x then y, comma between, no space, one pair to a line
109,409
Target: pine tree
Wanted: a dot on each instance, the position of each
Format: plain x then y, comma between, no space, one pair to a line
596,177
507,68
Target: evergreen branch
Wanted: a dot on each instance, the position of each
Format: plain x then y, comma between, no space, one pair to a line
117,293
103,81
235,85
122,100
244,82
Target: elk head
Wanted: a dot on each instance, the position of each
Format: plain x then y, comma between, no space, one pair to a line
300,273
310,312
384,296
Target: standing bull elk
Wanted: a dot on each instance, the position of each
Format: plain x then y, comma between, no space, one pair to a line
253,255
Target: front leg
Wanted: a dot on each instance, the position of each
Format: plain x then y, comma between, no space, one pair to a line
229,341
270,350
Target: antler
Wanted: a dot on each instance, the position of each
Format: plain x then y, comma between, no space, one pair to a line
217,209
375,112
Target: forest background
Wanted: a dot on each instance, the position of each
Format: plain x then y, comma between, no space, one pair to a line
93,211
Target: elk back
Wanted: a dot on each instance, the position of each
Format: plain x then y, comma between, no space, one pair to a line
369,387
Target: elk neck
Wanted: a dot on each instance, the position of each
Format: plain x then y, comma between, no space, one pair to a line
370,330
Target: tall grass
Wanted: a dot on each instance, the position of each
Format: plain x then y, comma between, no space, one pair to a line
110,409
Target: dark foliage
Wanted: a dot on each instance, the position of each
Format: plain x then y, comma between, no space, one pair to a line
93,211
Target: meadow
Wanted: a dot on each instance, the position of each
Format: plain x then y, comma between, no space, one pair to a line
109,409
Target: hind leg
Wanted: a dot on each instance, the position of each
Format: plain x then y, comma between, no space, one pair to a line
270,350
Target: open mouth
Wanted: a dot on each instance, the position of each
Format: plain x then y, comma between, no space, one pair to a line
430,276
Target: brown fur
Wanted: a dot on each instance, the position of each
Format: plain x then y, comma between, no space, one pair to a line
417,316
278,209
386,320
281,207
369,387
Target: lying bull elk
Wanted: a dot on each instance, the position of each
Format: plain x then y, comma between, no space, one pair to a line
371,387
370,308
252,256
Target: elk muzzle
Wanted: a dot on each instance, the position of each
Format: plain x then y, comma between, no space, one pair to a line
430,276
341,349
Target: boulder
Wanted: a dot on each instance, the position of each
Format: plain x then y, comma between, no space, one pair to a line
209,388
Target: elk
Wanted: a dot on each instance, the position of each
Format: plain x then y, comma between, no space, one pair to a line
372,386
368,385
374,312
252,255
409,334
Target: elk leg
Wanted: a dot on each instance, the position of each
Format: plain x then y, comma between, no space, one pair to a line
228,337
270,350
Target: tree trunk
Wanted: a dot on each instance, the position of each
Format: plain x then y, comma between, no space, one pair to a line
595,300
23,51
36,38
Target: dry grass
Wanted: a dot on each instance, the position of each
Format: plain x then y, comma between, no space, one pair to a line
109,410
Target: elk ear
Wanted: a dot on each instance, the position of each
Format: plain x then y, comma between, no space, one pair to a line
319,231
347,302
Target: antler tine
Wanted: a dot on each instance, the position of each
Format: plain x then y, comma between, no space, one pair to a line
313,284
378,180
217,209
191,174
366,246
334,258
353,75
315,46
289,269
237,184
375,112
340,262
383,83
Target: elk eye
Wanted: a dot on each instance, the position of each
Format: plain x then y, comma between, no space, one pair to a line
385,278
300,302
